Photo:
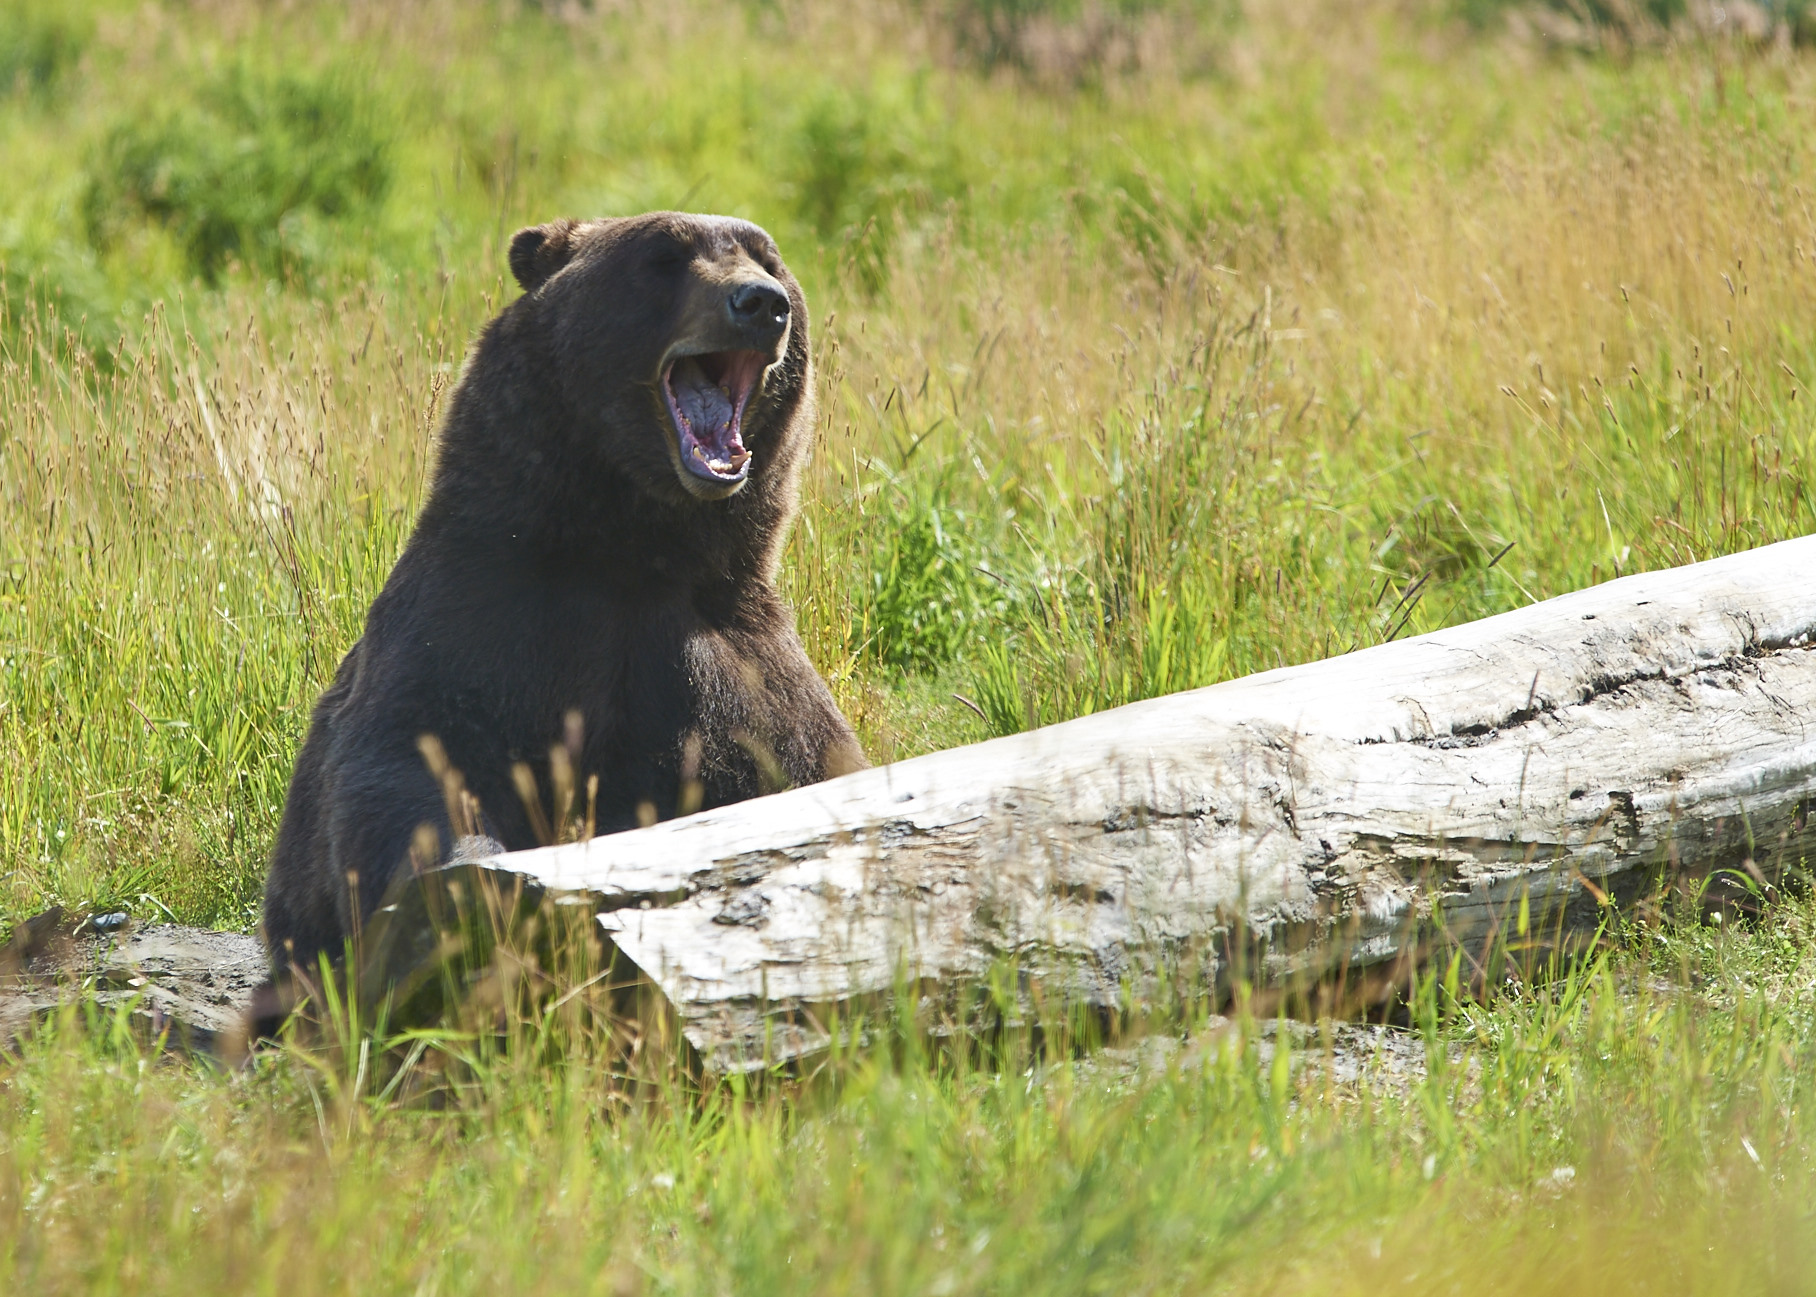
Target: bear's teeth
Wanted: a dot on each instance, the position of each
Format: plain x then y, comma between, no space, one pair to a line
731,465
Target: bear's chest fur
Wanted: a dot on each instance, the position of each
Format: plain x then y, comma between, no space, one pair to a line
494,661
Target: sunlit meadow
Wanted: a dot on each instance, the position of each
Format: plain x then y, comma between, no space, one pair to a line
1158,343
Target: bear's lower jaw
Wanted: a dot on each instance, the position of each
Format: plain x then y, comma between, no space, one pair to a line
706,395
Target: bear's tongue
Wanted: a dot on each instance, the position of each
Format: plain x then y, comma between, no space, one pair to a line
706,397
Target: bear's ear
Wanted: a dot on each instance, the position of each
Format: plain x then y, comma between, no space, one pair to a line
538,252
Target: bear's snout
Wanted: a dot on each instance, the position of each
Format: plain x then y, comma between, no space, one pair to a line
734,321
759,310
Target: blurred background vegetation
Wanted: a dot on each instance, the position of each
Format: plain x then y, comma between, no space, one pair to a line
1159,341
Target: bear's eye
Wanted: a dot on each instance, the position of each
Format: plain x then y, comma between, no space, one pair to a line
672,257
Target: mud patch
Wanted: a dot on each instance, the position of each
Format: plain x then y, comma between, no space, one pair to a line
188,988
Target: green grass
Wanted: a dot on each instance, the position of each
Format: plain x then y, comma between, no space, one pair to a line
1284,332
1636,1125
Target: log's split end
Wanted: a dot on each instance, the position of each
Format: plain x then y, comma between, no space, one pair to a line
1523,769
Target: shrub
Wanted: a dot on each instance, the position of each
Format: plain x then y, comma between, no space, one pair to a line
932,592
859,163
1640,22
39,41
1623,14
1078,42
848,176
248,171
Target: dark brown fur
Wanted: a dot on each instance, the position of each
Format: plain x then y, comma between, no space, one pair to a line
563,562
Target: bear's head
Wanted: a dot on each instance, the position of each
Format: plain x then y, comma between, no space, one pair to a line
684,337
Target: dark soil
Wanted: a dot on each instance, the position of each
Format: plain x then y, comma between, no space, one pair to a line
186,987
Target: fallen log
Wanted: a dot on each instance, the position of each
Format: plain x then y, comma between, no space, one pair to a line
1328,813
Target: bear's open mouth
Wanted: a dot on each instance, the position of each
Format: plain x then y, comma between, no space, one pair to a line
706,396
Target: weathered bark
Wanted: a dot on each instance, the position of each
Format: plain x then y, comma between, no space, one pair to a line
1328,812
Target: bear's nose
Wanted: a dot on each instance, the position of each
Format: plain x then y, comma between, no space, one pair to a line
760,307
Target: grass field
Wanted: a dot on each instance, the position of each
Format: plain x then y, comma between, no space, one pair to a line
1159,343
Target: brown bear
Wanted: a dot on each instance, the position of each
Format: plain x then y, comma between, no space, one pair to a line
593,567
